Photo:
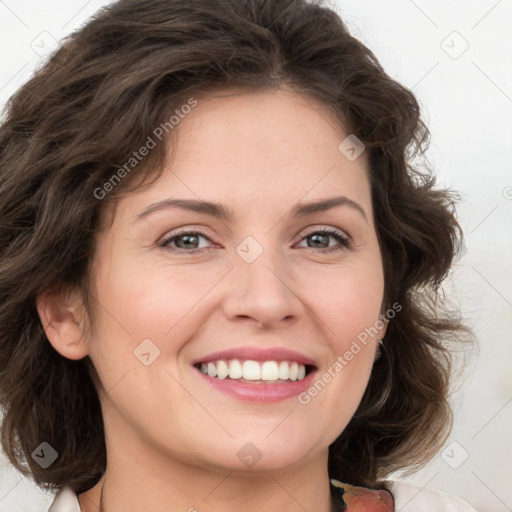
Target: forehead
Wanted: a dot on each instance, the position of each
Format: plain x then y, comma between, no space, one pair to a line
258,150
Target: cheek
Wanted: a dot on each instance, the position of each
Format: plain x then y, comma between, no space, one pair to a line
348,305
150,302
139,305
348,302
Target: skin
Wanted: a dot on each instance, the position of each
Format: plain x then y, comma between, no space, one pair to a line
172,440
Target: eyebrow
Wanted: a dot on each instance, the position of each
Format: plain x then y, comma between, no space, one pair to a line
219,211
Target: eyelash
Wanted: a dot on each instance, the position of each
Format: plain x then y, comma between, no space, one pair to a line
343,240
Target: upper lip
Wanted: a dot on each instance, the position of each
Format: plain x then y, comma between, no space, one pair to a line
257,354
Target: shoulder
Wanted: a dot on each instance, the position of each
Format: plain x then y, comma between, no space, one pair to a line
410,497
65,501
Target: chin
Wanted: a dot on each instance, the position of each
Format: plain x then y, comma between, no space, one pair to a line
263,453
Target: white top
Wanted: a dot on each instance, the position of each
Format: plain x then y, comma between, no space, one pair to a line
408,498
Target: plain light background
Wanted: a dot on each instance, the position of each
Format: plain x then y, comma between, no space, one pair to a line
456,56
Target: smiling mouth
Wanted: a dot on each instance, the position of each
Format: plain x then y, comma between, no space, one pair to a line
265,372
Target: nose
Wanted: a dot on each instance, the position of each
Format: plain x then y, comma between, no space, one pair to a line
263,292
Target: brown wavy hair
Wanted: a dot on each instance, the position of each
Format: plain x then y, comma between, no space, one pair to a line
96,101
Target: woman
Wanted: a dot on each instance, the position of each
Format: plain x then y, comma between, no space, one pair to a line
220,271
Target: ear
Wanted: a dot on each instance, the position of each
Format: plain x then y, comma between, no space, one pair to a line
382,332
388,312
62,315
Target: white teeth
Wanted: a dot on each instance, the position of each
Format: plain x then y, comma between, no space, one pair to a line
269,371
235,369
283,370
254,370
294,371
251,370
212,369
222,370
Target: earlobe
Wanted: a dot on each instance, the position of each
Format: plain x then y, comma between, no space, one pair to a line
384,330
61,314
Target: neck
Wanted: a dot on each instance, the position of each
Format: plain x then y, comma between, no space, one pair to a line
293,491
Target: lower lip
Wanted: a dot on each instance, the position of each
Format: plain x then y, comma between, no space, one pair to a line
260,392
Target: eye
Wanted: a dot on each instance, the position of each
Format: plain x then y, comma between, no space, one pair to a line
190,241
186,241
320,240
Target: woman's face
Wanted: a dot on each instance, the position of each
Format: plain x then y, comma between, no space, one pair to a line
251,286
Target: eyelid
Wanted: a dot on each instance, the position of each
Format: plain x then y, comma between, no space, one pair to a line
326,229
